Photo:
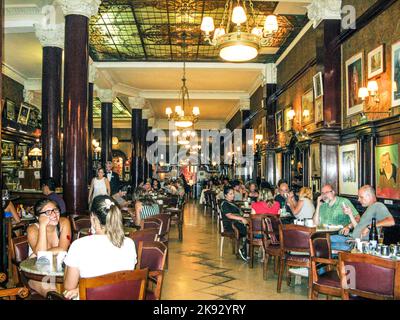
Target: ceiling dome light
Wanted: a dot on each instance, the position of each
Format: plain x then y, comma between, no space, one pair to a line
239,52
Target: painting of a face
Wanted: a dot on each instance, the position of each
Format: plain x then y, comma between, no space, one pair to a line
387,171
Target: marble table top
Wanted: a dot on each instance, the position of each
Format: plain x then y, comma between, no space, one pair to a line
29,265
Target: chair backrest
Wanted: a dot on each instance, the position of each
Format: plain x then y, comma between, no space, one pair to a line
295,238
78,223
270,227
166,222
150,234
121,285
320,245
19,248
369,276
151,223
152,255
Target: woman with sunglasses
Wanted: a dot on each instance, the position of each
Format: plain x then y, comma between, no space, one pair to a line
50,233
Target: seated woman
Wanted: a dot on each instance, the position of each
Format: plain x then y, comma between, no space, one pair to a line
106,251
155,185
145,208
266,204
304,208
253,193
50,233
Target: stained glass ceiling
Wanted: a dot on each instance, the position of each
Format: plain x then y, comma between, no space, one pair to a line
119,109
151,30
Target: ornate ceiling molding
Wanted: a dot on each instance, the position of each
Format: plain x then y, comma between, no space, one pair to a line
87,8
320,10
105,95
52,36
93,74
137,102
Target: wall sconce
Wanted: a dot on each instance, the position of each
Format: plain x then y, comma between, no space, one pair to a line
371,90
291,114
259,137
115,141
306,113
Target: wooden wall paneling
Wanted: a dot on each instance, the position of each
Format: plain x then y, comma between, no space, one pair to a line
329,165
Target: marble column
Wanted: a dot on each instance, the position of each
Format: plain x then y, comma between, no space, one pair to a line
75,180
145,127
136,137
92,78
52,41
106,97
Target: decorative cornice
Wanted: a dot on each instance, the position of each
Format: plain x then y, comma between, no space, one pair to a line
50,36
93,74
320,10
137,102
244,104
105,95
87,8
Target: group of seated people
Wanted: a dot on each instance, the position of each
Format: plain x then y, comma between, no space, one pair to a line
330,209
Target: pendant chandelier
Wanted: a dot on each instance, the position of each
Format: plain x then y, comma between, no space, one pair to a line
180,118
243,43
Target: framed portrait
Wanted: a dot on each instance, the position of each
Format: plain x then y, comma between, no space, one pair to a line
127,169
307,108
387,171
376,62
287,122
354,81
10,109
348,169
279,121
315,160
396,74
23,115
319,109
318,85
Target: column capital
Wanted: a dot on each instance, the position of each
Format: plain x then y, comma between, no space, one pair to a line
137,102
244,104
152,121
146,113
50,36
105,95
320,10
269,74
87,8
93,73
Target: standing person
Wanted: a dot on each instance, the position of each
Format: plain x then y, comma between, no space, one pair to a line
99,186
106,251
49,190
304,208
112,177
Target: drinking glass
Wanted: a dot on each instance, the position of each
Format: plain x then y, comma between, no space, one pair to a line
365,247
380,236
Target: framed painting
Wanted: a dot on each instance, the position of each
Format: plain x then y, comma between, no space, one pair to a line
348,169
396,74
10,109
319,109
307,108
354,81
376,62
279,121
387,171
315,162
318,85
287,122
23,115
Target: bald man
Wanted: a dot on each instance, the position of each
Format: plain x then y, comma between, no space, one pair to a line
375,209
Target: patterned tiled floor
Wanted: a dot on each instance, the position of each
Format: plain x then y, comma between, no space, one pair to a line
197,272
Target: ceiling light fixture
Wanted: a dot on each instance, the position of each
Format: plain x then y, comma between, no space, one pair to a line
181,119
242,44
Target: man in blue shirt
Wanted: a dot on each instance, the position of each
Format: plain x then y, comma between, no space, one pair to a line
48,189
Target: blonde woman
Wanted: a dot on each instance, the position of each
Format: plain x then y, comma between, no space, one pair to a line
105,251
304,208
266,203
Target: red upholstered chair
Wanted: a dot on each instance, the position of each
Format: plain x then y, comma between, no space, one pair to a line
151,223
152,255
294,239
19,251
164,234
327,283
255,235
370,277
121,285
271,243
144,235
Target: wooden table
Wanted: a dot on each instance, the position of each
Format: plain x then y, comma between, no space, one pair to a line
45,273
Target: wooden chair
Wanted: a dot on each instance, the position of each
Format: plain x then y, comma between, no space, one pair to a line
208,204
78,222
150,234
12,293
19,251
328,282
370,277
255,235
152,223
294,239
213,203
226,234
121,285
271,243
177,219
152,255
